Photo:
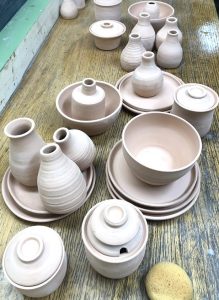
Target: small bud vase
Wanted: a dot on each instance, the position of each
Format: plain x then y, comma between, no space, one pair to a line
153,9
131,55
171,24
68,9
146,31
147,79
170,53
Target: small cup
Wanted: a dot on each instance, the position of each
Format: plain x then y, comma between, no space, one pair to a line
108,10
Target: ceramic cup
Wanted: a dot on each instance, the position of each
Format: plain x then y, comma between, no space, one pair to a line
108,10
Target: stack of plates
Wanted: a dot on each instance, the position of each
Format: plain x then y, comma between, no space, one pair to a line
25,202
161,102
155,202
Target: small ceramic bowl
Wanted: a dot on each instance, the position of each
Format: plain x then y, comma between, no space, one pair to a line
107,34
159,147
115,234
30,263
166,11
108,10
113,105
196,103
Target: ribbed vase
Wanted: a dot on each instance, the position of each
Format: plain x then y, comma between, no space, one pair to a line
152,8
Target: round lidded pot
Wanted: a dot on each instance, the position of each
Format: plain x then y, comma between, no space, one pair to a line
196,104
108,10
115,234
107,34
30,263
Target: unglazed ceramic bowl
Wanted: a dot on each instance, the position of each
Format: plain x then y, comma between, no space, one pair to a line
113,105
166,11
159,147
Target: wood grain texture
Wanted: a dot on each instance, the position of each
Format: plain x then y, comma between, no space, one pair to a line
190,240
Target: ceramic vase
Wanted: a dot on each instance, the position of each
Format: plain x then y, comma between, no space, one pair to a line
171,24
131,55
88,101
147,79
68,9
24,150
108,10
170,53
146,31
80,3
76,145
153,9
61,185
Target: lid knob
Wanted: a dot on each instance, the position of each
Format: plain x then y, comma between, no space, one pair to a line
107,24
196,92
115,215
30,248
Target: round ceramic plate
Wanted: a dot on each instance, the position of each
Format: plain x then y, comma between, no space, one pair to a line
161,102
157,211
135,111
29,199
24,215
142,193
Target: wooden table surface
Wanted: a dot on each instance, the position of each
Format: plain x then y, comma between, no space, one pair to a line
190,240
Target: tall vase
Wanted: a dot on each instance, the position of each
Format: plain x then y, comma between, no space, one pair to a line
61,184
68,9
131,55
147,79
171,24
152,8
88,101
24,150
76,145
146,31
170,53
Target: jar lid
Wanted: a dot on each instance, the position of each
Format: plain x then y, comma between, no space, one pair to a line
196,97
107,29
114,225
107,3
33,255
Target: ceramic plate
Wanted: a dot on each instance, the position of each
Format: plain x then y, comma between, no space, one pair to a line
161,102
135,111
142,193
28,197
27,216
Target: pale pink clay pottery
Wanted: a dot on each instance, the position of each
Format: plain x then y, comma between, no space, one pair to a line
152,7
115,234
108,10
80,3
24,150
68,9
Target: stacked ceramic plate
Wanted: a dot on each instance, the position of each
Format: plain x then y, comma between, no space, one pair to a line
161,102
155,202
25,202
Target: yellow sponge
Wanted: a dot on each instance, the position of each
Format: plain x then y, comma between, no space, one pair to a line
168,281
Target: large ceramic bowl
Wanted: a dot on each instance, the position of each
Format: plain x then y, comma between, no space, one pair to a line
159,147
166,11
113,102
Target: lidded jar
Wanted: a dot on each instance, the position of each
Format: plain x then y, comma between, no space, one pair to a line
88,101
196,104
114,233
152,7
31,264
108,10
147,79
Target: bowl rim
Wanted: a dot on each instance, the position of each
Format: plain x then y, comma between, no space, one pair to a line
105,258
109,37
160,2
169,116
87,121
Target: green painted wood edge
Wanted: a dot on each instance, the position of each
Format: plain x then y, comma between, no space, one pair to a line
18,27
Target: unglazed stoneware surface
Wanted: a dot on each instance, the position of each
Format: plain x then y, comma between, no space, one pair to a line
196,103
88,101
107,34
31,264
146,31
61,185
170,52
80,3
76,145
152,8
162,101
115,214
108,10
170,24
147,79
142,193
113,102
166,11
68,9
152,147
24,147
131,55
